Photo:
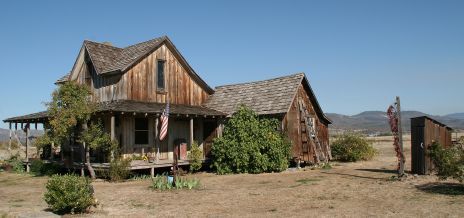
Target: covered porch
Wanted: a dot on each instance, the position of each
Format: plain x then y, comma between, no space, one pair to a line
135,125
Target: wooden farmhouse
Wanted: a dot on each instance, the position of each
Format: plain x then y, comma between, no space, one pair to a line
133,84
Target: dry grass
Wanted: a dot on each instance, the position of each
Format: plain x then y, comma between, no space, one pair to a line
346,190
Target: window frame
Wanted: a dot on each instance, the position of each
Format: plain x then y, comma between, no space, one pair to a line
146,131
158,88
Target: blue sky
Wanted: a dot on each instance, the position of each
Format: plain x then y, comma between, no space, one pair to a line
358,55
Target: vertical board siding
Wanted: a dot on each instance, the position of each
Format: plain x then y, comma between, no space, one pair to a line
294,129
139,82
424,132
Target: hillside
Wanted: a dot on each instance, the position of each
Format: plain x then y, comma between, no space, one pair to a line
376,121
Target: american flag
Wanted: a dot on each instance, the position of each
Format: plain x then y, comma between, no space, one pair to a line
164,122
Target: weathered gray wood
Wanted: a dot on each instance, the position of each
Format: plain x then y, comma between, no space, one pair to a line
191,131
113,127
400,135
27,145
9,142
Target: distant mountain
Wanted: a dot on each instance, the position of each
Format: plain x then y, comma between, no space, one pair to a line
376,121
459,116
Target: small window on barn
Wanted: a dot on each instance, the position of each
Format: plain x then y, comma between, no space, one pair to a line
88,79
160,76
141,131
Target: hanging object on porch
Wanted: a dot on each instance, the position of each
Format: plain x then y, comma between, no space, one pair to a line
164,122
394,119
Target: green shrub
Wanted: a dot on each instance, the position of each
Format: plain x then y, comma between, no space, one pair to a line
69,194
16,164
195,157
119,169
352,147
37,167
449,162
250,145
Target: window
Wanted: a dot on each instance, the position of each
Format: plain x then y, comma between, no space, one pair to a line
141,131
160,75
88,79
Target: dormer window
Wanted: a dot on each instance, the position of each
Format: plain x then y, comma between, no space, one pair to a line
160,86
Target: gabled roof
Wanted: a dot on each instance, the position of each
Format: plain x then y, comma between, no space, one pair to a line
108,59
63,79
273,96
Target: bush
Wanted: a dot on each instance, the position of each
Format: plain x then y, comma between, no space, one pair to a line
351,147
195,157
16,164
69,194
119,169
250,145
39,168
449,162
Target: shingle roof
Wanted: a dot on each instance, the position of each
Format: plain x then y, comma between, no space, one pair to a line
153,107
129,107
110,59
273,96
63,78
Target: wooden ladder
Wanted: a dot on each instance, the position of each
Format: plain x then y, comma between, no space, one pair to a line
311,132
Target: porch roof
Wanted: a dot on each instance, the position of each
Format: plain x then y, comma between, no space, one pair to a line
127,106
153,108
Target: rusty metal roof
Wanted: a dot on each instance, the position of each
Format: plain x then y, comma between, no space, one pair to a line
272,96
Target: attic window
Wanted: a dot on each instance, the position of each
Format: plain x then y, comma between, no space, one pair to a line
160,86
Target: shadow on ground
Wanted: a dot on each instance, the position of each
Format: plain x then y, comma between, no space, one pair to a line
379,170
442,188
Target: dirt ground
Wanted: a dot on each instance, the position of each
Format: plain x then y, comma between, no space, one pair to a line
346,190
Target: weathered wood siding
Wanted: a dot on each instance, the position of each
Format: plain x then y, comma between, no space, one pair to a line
424,132
292,127
139,82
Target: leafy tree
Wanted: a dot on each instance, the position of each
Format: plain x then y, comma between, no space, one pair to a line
250,145
71,106
94,137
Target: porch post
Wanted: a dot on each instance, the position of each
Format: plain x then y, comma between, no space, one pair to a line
113,127
9,142
27,144
113,131
157,144
191,131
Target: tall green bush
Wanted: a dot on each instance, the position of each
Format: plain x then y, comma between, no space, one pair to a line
250,144
69,194
119,169
195,157
352,147
449,162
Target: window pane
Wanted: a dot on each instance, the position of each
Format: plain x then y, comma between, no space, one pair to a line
160,75
141,137
141,124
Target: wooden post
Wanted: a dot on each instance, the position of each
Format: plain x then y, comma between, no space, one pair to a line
113,131
157,144
9,142
27,144
191,131
400,135
152,172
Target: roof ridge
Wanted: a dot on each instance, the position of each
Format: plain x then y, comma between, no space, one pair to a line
103,44
150,40
259,81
